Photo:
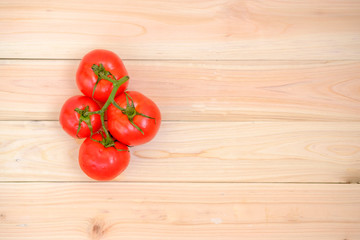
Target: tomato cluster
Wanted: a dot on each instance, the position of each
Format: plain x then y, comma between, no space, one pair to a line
132,118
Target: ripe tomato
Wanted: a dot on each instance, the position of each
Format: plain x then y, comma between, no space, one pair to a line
101,163
136,111
86,78
69,118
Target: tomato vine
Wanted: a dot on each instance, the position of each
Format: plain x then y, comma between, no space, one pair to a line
129,111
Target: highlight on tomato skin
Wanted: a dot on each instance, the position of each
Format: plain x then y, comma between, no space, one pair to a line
86,78
103,163
69,118
138,123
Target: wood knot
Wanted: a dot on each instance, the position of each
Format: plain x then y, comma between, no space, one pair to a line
97,228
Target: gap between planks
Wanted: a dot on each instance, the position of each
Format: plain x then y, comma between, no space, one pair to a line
175,182
190,60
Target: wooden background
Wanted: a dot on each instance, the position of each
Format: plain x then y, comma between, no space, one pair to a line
261,130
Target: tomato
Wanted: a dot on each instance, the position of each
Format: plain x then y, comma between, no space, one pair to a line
69,118
103,163
137,110
86,77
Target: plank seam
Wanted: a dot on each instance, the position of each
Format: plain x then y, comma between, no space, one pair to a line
192,60
178,182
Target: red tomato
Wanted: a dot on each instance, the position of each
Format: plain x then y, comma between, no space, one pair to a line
69,118
86,78
101,163
119,122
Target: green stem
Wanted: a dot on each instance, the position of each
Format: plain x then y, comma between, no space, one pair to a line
102,76
101,112
129,111
111,97
108,141
116,86
103,125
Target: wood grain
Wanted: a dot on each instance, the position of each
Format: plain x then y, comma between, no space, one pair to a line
198,90
202,29
179,211
261,131
195,152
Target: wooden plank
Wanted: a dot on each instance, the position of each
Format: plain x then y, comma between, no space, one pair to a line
202,29
195,152
198,90
179,211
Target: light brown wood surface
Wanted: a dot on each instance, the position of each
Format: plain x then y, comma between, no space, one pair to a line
196,152
179,211
261,109
198,90
202,29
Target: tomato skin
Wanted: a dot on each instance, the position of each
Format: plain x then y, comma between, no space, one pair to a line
120,126
69,119
101,163
86,78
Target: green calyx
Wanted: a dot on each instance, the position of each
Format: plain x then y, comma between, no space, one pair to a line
131,112
84,117
101,73
107,142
